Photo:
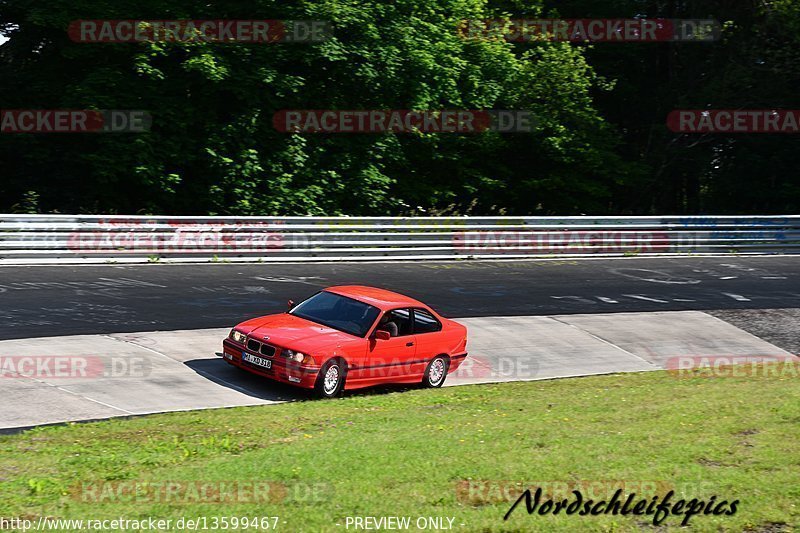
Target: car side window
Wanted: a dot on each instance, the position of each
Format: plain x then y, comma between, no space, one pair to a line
424,322
397,322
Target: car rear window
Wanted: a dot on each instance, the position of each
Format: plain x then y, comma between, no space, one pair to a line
424,322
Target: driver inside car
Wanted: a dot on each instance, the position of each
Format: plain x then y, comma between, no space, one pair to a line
386,324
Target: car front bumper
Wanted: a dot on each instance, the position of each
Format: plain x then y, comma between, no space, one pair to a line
283,370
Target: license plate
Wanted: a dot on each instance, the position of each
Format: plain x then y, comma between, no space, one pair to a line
256,360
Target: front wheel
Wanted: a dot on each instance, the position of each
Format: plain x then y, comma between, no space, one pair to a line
436,372
330,381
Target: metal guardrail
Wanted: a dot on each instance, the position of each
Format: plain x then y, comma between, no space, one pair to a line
100,239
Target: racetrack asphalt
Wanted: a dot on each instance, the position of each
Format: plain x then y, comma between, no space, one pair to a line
42,301
150,372
528,320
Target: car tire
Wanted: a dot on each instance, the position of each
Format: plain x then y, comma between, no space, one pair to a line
330,381
436,372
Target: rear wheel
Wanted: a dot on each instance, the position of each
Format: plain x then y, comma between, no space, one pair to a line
330,381
436,372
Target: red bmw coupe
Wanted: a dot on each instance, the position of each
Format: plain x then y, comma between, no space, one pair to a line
348,338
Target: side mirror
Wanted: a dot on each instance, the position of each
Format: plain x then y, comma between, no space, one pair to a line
290,303
382,335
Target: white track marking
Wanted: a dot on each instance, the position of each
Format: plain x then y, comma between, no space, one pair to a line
646,299
604,341
607,300
307,280
658,277
575,298
737,297
79,395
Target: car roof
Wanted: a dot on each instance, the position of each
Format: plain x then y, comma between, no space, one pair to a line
380,298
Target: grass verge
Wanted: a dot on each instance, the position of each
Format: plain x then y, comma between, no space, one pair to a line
412,454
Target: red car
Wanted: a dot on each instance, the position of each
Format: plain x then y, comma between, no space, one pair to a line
345,338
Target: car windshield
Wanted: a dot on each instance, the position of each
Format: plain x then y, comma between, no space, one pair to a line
338,312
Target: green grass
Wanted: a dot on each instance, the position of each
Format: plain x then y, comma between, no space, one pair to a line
403,454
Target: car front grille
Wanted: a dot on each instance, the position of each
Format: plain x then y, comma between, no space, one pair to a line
267,350
260,347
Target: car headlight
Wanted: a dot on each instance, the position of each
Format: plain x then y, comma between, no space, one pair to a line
295,356
238,336
299,357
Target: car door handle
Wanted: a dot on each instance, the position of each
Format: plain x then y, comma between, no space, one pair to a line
409,344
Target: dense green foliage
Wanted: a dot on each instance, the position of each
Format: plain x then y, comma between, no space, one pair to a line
601,145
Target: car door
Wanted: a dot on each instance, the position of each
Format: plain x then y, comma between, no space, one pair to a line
390,360
427,337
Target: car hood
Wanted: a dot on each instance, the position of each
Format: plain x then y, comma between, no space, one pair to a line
294,333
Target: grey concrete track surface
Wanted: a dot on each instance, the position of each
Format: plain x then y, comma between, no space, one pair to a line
64,300
178,370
